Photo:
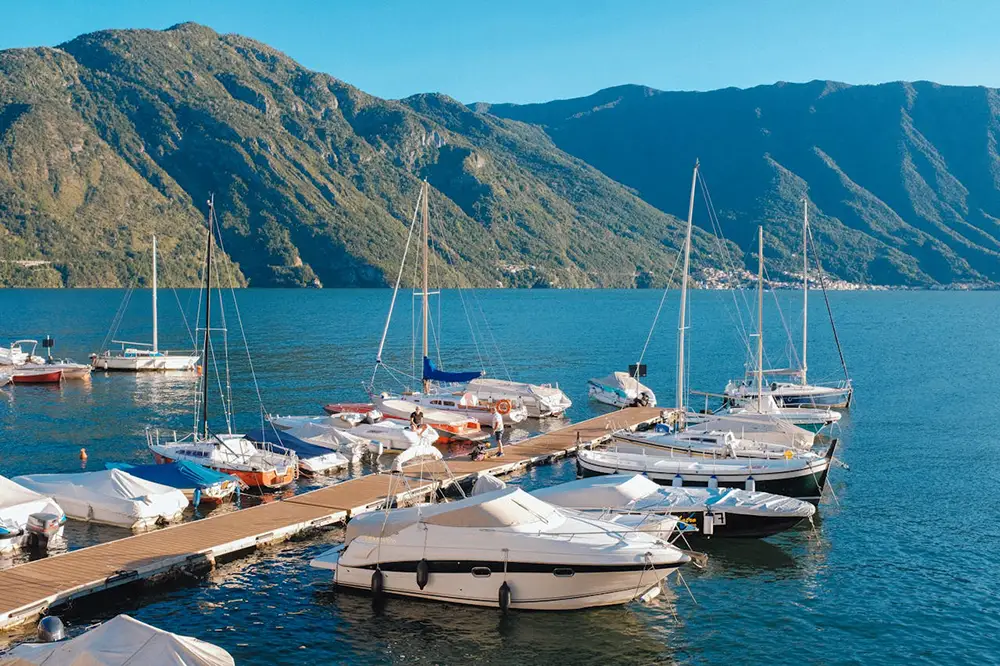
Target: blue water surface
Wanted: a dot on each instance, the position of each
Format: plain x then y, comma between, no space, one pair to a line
900,567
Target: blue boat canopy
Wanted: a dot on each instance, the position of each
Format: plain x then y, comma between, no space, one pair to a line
302,448
432,373
181,474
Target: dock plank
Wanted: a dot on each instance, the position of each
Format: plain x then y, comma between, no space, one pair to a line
32,587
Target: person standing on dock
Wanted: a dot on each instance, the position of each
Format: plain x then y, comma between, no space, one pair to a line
498,430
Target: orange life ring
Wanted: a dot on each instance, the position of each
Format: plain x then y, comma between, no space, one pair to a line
503,407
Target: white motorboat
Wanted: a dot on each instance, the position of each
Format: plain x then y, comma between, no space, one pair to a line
16,355
759,428
721,512
27,518
141,356
120,641
319,449
450,426
540,400
381,434
619,389
503,549
800,475
112,497
469,406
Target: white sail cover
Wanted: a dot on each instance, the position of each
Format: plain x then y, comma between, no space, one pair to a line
110,496
18,502
120,641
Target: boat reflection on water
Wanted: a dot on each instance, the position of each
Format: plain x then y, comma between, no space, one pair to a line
424,630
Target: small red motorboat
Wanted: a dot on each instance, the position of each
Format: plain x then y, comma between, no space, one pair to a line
36,376
349,407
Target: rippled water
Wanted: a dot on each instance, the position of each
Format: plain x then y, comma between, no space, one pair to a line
901,566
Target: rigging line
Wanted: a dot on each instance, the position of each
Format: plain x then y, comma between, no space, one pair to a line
239,318
729,264
793,356
489,329
395,289
475,342
477,314
187,326
826,299
227,397
663,297
119,314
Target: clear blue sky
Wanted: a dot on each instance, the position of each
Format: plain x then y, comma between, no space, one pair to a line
536,50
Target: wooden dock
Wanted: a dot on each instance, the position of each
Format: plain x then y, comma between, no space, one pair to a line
32,588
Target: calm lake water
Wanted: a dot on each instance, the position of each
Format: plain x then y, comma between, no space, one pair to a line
901,566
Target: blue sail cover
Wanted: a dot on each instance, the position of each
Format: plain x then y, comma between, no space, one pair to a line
181,474
302,448
432,373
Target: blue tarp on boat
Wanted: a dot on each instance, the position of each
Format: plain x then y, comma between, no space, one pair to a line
181,474
432,373
302,448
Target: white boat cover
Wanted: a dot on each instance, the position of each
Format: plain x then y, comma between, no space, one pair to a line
109,496
414,452
550,395
624,381
18,502
638,493
763,428
119,641
487,483
510,507
326,436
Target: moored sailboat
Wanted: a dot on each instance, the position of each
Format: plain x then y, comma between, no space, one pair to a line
141,356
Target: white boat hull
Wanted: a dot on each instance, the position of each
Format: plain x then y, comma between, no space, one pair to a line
144,363
528,591
538,401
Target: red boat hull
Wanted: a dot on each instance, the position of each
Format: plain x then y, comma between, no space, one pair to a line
269,479
53,377
353,407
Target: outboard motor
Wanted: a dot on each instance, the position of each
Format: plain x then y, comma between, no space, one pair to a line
42,528
50,629
47,344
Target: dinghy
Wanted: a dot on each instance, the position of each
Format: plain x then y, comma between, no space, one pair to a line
720,512
802,476
619,389
199,484
27,518
121,641
111,497
503,549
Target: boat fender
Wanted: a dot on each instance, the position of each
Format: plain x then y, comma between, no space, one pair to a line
713,481
708,526
774,387
751,484
423,573
678,481
504,597
503,407
378,585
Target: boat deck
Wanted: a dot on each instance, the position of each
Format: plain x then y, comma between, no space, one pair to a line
33,587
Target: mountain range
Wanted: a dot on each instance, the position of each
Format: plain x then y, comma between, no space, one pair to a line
120,134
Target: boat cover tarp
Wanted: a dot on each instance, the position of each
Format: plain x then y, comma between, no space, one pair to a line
763,428
433,374
639,493
287,439
17,503
119,641
622,383
502,508
111,496
182,474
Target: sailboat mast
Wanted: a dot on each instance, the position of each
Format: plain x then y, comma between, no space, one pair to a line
208,318
760,318
682,323
805,286
426,300
156,337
